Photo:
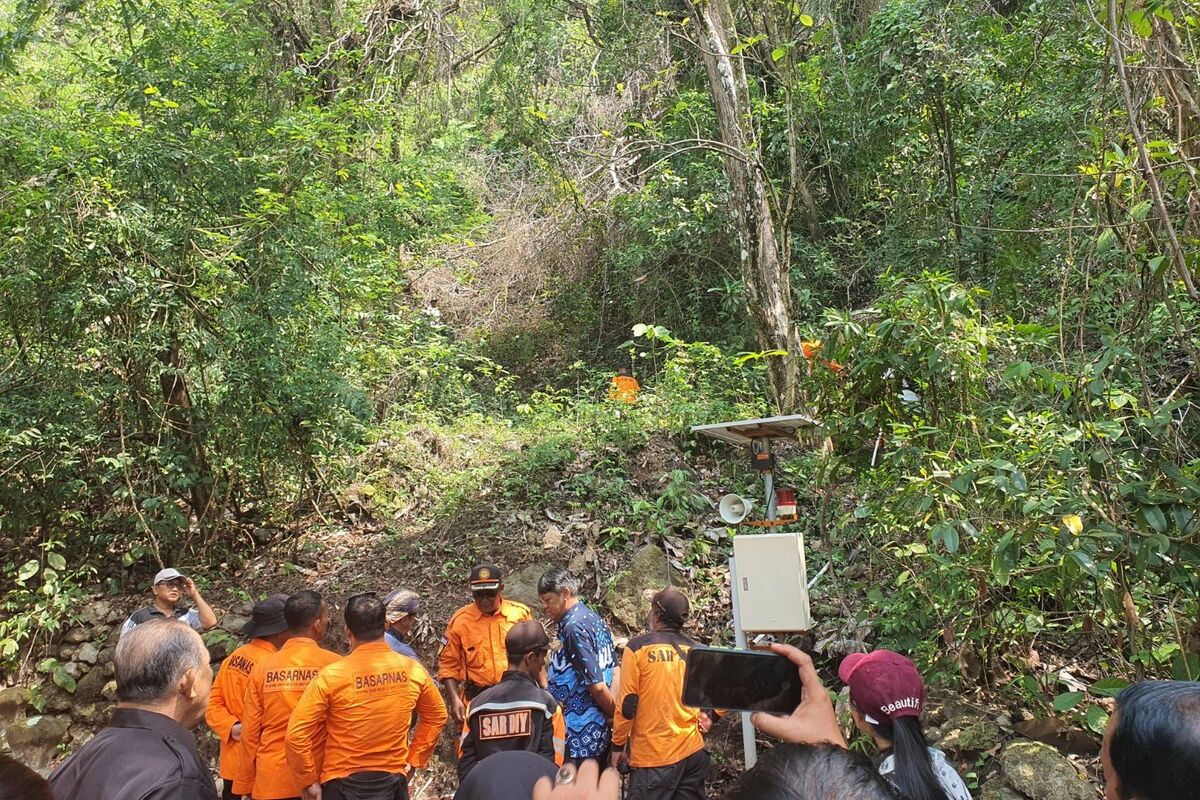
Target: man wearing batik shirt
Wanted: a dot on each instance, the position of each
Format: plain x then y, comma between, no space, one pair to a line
581,671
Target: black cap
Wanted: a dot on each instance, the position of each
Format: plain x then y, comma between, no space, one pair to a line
485,577
267,617
524,638
671,606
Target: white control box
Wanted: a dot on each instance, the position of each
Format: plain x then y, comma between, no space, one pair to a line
772,582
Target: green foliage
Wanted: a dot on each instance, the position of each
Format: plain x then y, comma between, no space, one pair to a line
676,506
219,217
1006,520
44,600
199,288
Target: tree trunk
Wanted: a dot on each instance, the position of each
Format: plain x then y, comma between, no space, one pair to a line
177,405
949,162
763,264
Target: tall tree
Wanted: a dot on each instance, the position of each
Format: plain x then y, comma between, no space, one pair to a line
763,262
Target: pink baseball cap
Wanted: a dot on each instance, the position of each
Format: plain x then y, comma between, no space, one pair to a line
883,685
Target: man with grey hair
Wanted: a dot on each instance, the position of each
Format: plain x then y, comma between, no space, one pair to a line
580,673
147,752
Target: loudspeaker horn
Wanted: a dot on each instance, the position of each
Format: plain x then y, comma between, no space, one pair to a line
734,508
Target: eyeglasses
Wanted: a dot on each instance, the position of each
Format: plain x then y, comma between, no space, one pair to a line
173,583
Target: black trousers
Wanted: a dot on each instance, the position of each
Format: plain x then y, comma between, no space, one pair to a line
366,786
683,780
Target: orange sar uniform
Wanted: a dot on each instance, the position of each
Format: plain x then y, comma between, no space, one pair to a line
275,686
474,651
356,715
666,750
226,707
624,389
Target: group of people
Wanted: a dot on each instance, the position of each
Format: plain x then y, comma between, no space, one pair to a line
551,721
297,720
1150,749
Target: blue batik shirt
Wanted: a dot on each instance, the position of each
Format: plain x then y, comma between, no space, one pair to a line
586,657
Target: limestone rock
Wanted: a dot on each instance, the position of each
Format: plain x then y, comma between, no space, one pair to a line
955,713
67,652
109,692
13,702
95,715
96,612
234,623
974,738
106,655
242,608
73,669
76,636
36,740
625,593
580,561
88,653
91,685
522,585
80,735
1039,772
994,789
57,700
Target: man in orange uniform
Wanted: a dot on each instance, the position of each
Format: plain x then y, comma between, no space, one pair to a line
275,687
517,713
348,738
473,656
624,387
267,631
666,746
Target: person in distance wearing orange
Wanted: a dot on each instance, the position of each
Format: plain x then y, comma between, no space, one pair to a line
348,737
473,656
665,738
275,686
624,387
517,713
267,631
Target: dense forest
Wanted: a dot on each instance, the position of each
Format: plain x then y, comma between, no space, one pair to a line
254,252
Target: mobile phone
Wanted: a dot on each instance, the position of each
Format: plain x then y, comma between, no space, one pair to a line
740,680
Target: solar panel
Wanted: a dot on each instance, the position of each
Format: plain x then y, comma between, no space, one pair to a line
745,430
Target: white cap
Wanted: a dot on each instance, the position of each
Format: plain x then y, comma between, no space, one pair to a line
167,574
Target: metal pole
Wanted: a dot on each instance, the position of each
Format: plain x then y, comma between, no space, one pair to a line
769,491
749,747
